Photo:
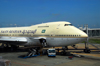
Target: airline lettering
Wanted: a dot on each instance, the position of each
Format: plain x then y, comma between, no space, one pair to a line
19,31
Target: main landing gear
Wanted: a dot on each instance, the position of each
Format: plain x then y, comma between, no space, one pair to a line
7,48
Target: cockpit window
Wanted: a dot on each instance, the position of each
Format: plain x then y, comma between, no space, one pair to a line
68,25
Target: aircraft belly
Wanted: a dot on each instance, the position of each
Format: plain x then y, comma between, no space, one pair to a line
63,41
36,41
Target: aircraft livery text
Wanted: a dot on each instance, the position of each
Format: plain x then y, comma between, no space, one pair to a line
19,31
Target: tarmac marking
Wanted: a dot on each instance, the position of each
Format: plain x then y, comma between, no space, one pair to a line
20,64
96,55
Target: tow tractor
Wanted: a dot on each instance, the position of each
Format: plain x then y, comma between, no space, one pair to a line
51,52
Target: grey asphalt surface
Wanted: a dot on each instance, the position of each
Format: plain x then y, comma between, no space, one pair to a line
44,60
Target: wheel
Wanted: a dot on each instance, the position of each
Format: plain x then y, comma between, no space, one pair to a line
87,50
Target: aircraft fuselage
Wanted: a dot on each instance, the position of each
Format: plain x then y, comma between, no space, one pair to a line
55,34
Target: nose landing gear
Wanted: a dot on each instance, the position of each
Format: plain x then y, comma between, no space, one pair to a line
64,50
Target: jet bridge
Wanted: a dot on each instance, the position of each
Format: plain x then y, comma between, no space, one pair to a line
92,32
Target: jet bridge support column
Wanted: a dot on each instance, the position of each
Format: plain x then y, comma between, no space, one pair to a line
86,50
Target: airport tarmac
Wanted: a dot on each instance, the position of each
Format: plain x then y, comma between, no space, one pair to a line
87,59
51,61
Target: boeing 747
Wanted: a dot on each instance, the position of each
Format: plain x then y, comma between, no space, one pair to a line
51,34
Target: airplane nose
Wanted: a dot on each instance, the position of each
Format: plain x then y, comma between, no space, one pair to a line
79,32
84,35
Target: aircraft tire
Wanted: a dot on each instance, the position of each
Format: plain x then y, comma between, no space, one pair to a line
87,50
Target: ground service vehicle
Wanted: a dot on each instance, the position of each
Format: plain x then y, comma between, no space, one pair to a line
51,52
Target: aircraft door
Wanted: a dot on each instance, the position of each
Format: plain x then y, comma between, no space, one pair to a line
43,42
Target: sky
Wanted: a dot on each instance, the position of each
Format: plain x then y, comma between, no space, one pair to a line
31,12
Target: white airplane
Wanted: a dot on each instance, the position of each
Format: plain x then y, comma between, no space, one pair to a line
51,34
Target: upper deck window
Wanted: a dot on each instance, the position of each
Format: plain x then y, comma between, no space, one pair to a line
68,25
42,26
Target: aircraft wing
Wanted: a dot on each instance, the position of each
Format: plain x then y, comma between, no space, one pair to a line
40,38
13,39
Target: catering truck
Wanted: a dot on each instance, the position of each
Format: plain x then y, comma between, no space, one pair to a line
51,53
